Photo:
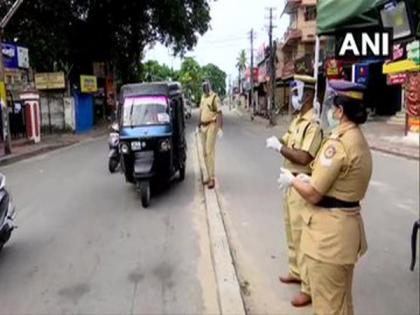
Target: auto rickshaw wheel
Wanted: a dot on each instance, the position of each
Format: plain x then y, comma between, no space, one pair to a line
112,165
144,187
182,173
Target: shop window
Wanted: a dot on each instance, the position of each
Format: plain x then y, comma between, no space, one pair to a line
310,13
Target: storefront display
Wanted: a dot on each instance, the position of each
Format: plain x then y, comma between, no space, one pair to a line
412,93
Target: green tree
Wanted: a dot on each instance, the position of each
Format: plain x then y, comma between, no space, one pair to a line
217,77
191,77
153,71
241,65
78,32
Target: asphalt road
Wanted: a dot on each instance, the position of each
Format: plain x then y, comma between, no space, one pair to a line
247,173
86,246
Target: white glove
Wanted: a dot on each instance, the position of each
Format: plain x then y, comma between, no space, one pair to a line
304,178
220,133
285,179
273,143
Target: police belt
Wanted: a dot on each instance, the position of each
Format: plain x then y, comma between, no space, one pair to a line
206,123
296,174
331,202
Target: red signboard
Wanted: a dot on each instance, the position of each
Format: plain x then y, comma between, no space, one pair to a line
247,76
396,79
334,69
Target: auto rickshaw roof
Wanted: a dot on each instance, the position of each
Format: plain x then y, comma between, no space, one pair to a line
151,89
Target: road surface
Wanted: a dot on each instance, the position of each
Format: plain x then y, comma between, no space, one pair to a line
85,244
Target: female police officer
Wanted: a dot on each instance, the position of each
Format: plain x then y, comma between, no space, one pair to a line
333,235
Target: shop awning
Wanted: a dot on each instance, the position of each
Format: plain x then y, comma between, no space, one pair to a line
400,67
333,14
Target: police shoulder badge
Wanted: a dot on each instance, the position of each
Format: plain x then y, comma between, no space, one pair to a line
330,151
327,155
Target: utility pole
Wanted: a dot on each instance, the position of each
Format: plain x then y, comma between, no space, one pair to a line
272,67
252,105
4,111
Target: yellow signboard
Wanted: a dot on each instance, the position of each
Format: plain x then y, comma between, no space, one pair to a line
88,84
3,97
50,81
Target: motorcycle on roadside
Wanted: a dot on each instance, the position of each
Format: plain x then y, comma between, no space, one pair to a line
7,213
114,151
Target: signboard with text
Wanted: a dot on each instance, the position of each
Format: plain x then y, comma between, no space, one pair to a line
50,81
334,69
15,57
22,57
10,59
88,84
396,79
361,74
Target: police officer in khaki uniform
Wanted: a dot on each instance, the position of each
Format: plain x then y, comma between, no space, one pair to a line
299,146
210,126
333,236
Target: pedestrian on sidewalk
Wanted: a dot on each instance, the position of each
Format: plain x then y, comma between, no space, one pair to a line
333,236
299,146
210,126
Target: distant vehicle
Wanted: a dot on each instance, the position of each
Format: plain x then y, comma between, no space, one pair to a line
152,134
7,213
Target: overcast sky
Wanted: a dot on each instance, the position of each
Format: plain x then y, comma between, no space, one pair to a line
231,21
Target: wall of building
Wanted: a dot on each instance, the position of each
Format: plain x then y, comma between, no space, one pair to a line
308,2
69,113
52,111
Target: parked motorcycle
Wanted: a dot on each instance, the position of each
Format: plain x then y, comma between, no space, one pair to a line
7,213
114,151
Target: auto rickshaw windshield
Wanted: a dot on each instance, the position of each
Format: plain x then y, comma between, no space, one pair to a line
142,110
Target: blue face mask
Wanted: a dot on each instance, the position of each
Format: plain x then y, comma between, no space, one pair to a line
332,121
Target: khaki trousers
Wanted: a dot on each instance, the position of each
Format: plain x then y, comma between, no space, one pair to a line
208,139
293,206
331,286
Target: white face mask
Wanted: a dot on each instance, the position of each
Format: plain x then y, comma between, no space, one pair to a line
296,103
332,121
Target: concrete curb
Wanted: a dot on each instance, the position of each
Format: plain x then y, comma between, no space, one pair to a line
7,160
395,153
229,291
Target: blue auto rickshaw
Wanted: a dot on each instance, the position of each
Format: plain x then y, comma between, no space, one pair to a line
152,134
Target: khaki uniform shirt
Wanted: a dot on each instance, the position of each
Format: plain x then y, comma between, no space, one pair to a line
210,106
341,170
344,165
304,134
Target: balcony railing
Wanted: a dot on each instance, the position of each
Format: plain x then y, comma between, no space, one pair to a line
291,34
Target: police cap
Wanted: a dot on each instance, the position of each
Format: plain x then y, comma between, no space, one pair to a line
305,81
348,89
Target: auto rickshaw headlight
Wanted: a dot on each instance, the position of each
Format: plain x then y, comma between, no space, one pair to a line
124,148
136,145
165,145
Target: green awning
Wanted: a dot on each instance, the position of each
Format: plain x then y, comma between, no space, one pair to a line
335,14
